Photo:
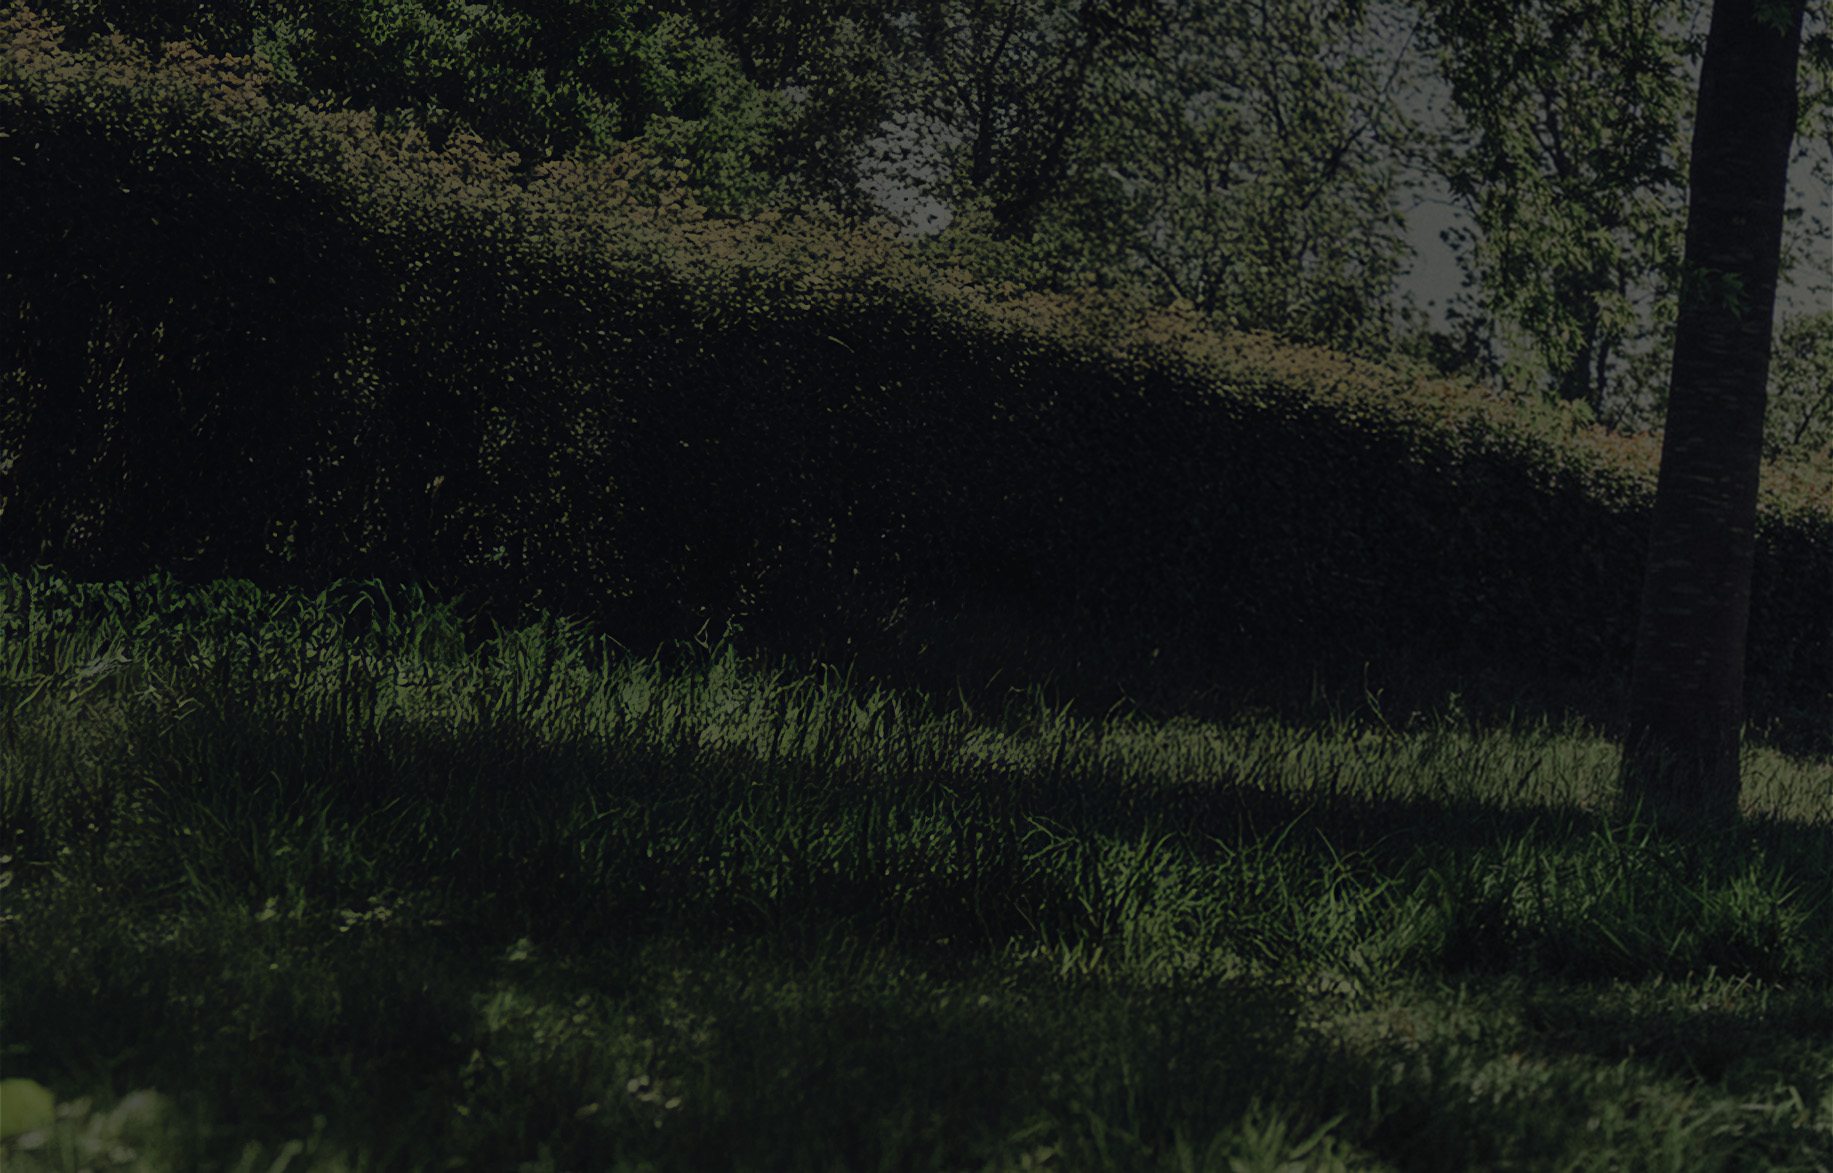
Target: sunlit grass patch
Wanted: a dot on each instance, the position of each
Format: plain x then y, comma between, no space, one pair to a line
381,902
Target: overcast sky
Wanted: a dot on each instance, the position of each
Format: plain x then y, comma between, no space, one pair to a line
1435,279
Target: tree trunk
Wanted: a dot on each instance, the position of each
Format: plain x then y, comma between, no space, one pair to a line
1686,695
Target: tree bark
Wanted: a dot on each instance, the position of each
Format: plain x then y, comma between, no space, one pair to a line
1686,695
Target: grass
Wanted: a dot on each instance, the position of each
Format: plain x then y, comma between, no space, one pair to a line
280,896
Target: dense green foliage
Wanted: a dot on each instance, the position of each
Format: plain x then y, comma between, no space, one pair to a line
1240,160
296,348
546,80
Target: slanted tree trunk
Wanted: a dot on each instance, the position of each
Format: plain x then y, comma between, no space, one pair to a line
1686,695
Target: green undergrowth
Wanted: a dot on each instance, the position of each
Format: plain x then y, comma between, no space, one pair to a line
282,896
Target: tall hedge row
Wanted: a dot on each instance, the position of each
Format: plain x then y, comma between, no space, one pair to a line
245,338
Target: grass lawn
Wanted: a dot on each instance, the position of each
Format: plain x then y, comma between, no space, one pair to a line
277,899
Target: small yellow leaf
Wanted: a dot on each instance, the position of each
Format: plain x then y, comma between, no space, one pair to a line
25,1106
